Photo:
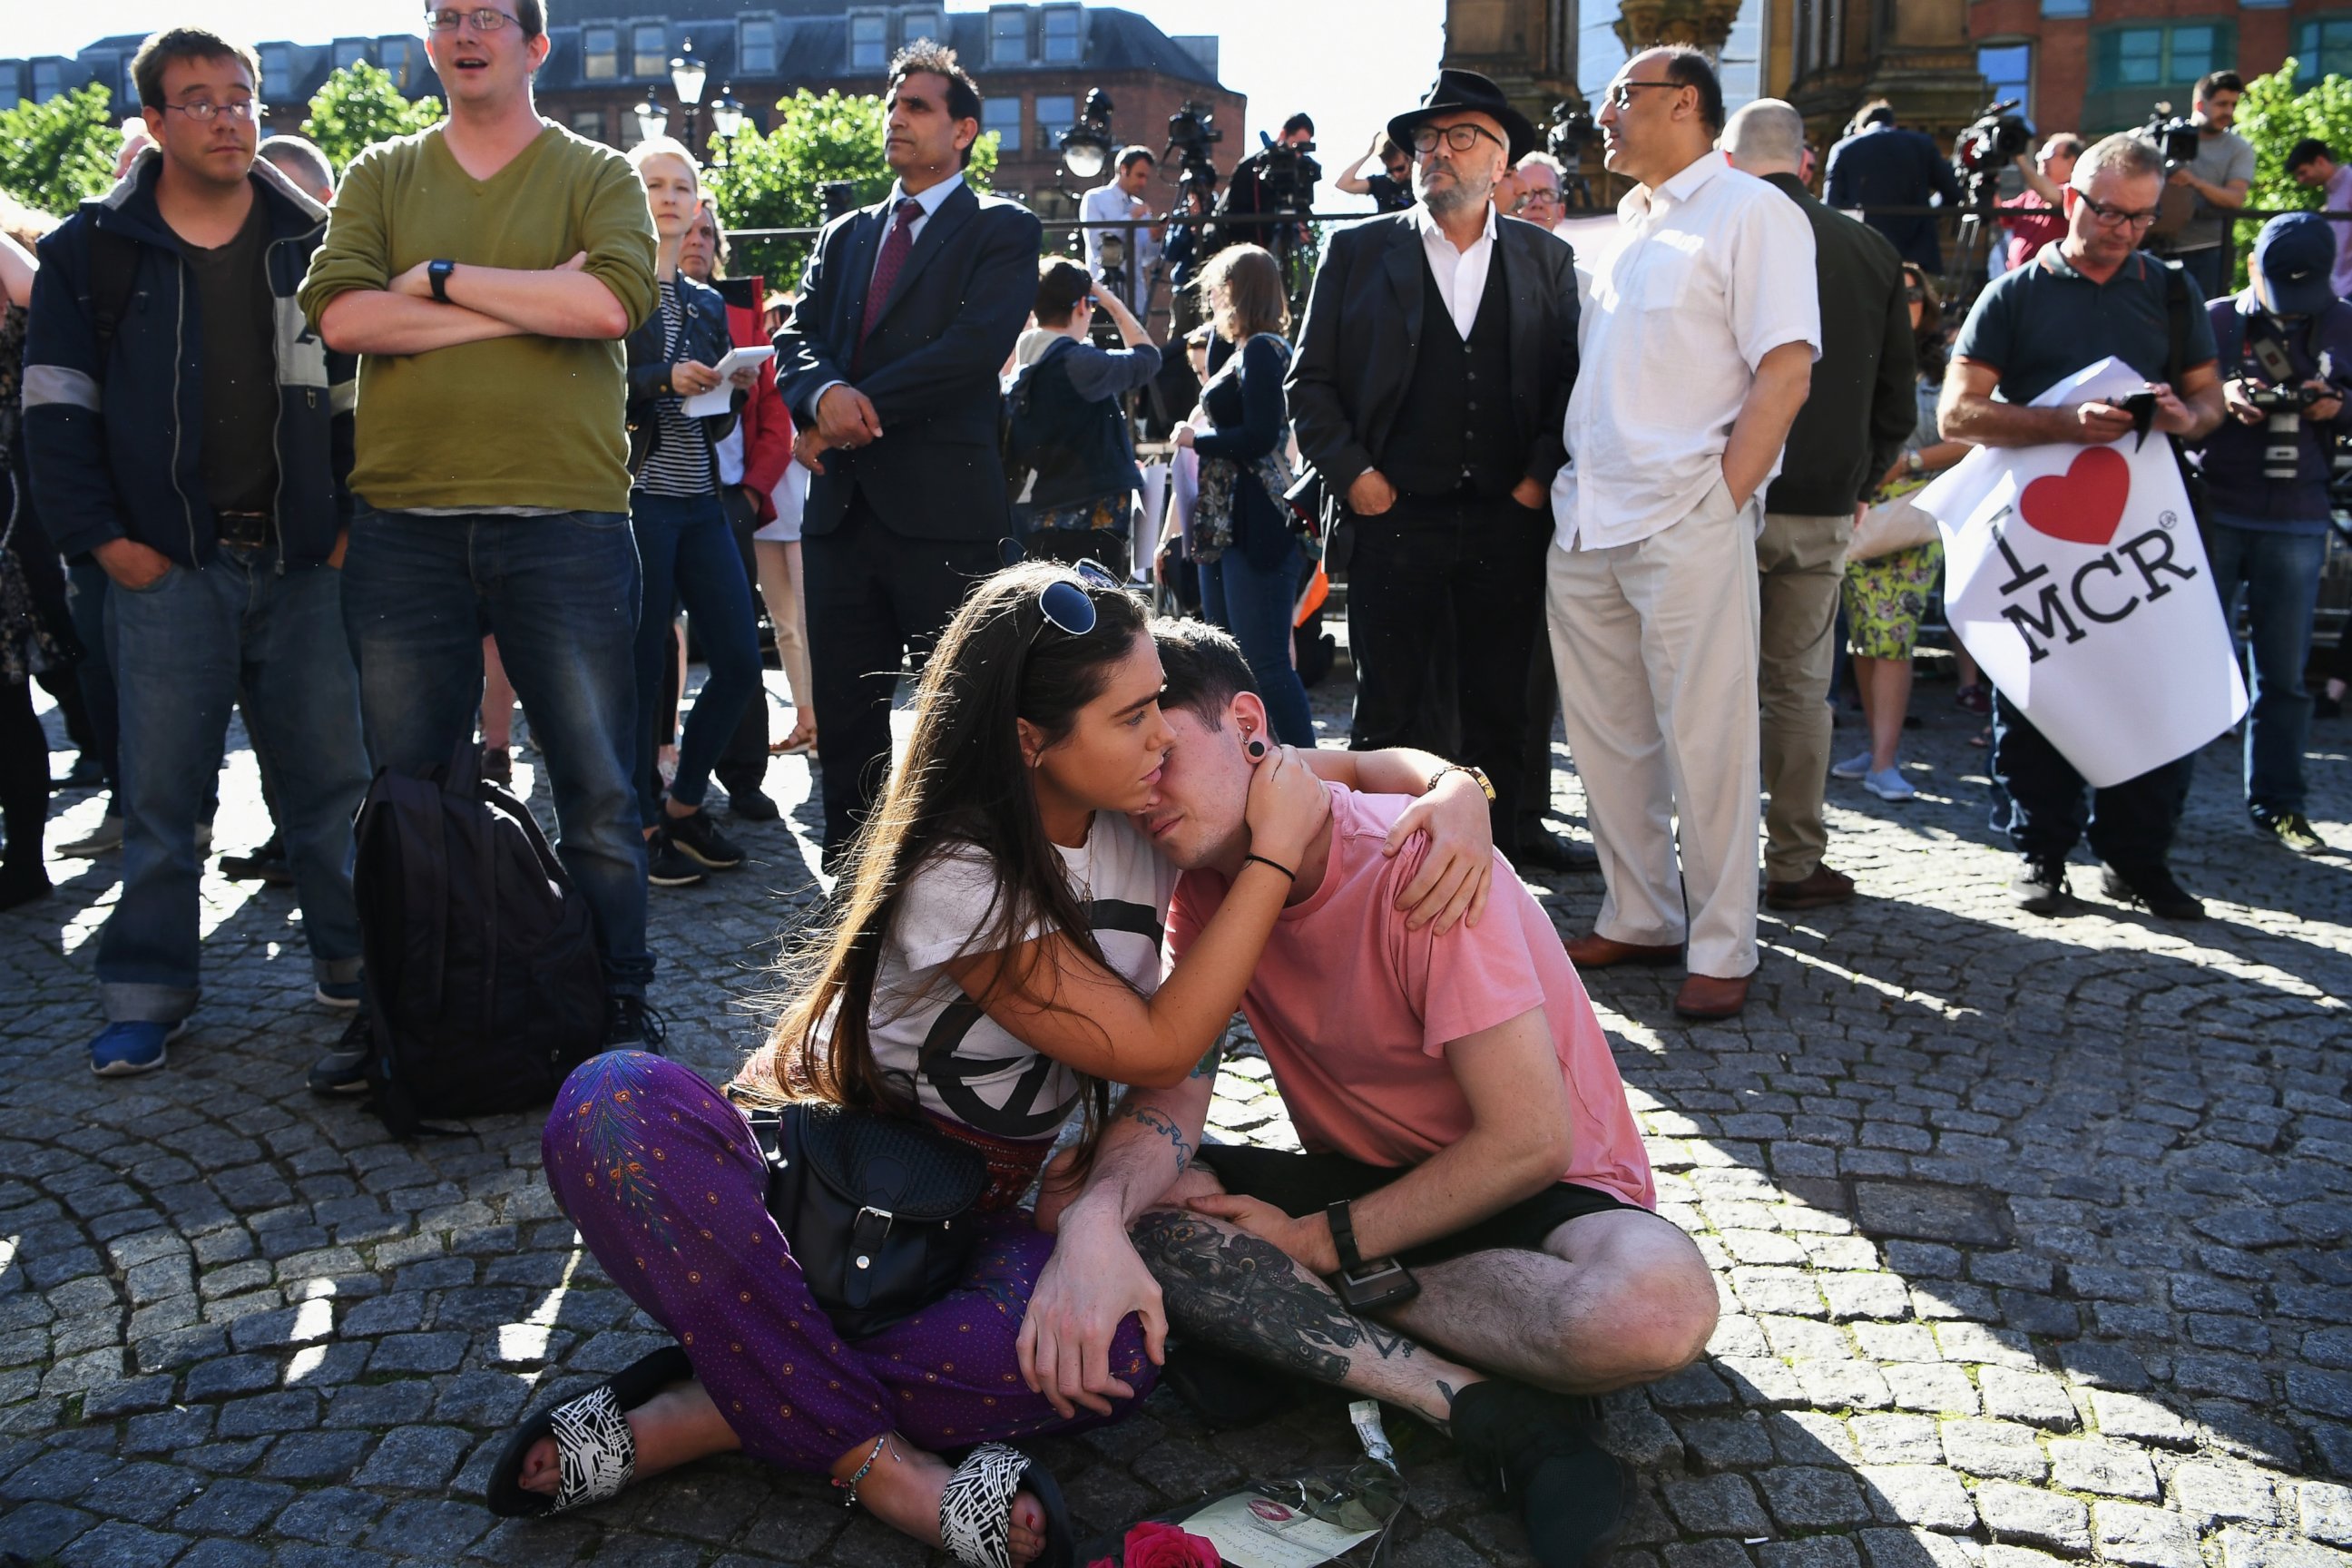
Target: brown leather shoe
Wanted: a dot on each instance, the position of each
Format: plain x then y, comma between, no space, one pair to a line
1593,950
1704,996
1823,887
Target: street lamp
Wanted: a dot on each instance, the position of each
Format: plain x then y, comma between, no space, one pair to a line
726,115
652,120
1087,145
685,74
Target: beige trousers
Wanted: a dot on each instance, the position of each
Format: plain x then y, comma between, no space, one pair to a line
1655,646
1799,566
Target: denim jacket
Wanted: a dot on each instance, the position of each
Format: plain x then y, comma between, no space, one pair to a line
704,338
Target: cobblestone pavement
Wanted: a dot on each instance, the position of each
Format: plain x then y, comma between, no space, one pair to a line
2030,1235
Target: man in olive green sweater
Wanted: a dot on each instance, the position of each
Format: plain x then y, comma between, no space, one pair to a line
486,270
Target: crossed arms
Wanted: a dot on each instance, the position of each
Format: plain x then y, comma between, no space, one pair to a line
484,302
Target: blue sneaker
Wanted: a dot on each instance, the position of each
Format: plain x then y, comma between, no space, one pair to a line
121,1049
341,994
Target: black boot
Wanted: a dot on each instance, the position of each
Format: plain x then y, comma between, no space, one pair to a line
1573,1496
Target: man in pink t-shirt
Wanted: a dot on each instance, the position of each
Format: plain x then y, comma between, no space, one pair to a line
1462,1117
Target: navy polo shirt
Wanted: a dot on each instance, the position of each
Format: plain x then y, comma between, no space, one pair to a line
2040,324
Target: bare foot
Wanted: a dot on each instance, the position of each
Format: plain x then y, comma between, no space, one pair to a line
903,1491
674,1427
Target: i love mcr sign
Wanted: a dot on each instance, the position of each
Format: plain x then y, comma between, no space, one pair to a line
2075,577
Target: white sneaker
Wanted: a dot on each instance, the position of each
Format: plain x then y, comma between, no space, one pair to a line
1889,784
107,836
1853,767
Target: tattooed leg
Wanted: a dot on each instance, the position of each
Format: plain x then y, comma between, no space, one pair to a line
1239,1293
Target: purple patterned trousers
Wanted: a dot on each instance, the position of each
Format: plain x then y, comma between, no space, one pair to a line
663,1179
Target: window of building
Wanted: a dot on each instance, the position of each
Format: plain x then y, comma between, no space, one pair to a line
1003,115
11,93
1056,114
276,74
869,42
47,81
755,47
1061,34
2065,7
394,54
2321,48
2152,56
127,94
925,23
350,52
589,122
2008,69
648,50
599,57
1008,36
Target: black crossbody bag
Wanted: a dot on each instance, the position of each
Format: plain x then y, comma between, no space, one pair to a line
879,1209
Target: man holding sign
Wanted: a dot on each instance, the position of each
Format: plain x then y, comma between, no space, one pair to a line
2095,295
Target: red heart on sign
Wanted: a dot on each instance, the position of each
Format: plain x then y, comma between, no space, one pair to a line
2083,504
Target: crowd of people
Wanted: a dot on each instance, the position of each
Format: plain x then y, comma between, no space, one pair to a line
273,454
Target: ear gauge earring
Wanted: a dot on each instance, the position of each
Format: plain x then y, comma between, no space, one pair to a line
1257,750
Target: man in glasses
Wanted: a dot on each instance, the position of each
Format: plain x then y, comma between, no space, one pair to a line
1432,375
1699,349
1864,400
189,434
486,270
2092,294
1541,180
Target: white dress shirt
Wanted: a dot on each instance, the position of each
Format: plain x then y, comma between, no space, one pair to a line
1717,270
1460,274
1108,204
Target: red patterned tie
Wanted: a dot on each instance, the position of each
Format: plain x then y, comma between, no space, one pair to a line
895,246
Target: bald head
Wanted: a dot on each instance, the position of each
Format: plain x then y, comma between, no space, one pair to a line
1766,137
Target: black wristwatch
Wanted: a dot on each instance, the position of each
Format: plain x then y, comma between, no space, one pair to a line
1343,1220
438,274
1365,1286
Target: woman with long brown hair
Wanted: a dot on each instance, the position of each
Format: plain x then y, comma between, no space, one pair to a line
990,967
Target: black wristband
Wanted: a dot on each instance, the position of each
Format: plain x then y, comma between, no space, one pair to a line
1343,1235
1275,864
437,273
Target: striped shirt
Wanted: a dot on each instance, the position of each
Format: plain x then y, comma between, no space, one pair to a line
679,464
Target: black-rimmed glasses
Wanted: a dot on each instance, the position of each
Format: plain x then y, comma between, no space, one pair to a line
1461,137
2111,216
1621,95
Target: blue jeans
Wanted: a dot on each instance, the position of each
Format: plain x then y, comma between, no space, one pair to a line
2280,575
86,586
1256,607
560,595
688,557
180,651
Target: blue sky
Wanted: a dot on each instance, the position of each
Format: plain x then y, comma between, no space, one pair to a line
1349,63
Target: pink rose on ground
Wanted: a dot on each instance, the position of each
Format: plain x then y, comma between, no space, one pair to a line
1169,1546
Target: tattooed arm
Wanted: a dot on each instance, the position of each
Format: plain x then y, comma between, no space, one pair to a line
1094,1279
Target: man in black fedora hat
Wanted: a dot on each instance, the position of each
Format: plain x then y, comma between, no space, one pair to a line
1430,390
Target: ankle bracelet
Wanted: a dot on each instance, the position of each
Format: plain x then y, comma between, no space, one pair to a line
849,1487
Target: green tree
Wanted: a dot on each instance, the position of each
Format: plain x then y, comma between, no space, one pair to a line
358,107
770,181
56,154
2274,115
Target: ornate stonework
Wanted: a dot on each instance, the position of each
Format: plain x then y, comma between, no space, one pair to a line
1706,24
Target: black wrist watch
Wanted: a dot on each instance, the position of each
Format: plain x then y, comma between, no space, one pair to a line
438,274
1343,1220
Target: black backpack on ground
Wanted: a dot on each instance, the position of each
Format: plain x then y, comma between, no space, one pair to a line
484,987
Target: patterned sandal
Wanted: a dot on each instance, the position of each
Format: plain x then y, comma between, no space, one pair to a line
976,1508
592,1441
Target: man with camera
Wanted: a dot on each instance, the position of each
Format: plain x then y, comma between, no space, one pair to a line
2212,184
1136,249
2091,295
1392,189
1880,166
1278,178
2038,215
2286,348
1430,387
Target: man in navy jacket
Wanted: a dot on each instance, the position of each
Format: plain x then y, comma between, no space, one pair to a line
1884,165
189,432
907,313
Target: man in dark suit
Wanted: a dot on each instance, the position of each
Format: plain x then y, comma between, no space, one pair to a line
907,313
1430,389
1884,165
1862,405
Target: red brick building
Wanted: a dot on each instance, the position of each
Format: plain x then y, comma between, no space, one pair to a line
2096,66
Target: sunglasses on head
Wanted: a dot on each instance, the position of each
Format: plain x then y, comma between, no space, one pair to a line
1065,605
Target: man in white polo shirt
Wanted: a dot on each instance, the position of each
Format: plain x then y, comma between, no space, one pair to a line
1698,348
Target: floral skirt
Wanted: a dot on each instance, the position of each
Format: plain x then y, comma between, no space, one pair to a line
1886,596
